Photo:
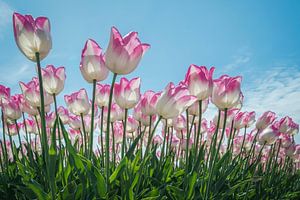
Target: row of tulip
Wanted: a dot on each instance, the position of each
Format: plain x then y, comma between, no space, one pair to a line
127,123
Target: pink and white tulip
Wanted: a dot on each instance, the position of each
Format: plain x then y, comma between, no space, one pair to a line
244,119
148,102
268,136
92,65
31,92
287,125
173,101
102,95
199,81
123,54
127,93
32,35
53,79
4,92
11,108
78,102
266,119
226,92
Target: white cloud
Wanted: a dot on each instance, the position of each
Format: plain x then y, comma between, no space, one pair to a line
13,73
241,58
5,14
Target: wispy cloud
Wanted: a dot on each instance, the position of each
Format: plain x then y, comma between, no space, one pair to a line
277,90
240,59
13,73
5,15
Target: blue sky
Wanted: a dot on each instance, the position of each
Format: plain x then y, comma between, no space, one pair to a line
256,39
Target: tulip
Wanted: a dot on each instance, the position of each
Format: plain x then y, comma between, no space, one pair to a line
132,124
31,126
26,107
78,102
199,81
32,35
179,123
53,79
226,92
102,95
123,54
63,114
157,140
287,125
244,119
74,122
127,93
11,108
137,112
266,119
173,101
50,119
116,113
4,93
92,65
268,136
148,102
145,119
31,92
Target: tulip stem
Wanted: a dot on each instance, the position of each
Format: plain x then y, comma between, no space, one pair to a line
107,131
4,139
92,121
199,127
19,137
124,134
101,136
84,134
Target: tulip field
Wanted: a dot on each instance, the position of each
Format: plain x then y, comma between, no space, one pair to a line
119,143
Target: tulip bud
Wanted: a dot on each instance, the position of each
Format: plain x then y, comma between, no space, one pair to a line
32,35
173,101
199,81
78,102
53,79
92,65
123,54
226,92
266,119
127,93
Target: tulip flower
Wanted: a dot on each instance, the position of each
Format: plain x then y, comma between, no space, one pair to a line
31,92
157,140
199,81
148,102
123,54
173,101
4,92
102,95
31,126
137,112
92,65
74,122
78,102
32,35
266,119
145,119
268,136
244,119
132,124
116,113
127,93
11,108
287,125
179,123
226,92
53,79
63,114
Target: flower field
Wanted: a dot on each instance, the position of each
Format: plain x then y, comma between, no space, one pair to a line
120,143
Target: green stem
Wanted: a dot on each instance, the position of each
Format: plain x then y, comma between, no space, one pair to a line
101,136
107,132
84,134
45,147
199,127
19,137
4,138
124,134
92,121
